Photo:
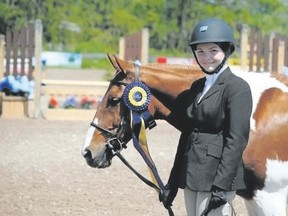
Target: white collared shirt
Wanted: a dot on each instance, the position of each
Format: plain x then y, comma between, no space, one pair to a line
210,80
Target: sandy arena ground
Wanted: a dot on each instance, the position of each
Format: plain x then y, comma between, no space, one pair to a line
43,173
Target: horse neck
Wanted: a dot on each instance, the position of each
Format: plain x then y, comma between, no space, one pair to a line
170,81
166,84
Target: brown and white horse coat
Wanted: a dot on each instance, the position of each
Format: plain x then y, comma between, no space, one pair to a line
266,155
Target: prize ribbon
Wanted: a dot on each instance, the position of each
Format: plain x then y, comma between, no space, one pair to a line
136,96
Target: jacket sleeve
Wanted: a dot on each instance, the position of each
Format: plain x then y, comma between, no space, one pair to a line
177,173
178,116
238,111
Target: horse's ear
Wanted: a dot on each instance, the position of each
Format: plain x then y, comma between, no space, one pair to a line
113,61
120,63
117,62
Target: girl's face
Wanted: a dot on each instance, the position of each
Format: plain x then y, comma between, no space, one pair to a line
209,56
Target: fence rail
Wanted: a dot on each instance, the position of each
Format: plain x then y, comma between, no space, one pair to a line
62,90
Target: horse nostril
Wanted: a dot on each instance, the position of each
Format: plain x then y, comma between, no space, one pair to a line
87,154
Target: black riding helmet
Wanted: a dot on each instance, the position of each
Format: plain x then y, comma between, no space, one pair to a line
216,31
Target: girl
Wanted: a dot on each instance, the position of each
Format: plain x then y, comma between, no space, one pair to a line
214,118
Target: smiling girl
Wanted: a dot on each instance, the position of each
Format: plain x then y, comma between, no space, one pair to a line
215,120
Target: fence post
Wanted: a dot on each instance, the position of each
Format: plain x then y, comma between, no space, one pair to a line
37,68
31,49
270,52
135,46
259,50
275,46
15,52
252,49
266,53
145,46
286,52
281,54
244,47
2,45
121,48
8,42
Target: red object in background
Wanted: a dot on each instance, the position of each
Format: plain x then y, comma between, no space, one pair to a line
162,60
53,103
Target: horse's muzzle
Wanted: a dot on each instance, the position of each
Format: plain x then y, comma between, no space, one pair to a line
98,162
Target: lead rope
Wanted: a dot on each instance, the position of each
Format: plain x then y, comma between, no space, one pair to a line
145,180
140,144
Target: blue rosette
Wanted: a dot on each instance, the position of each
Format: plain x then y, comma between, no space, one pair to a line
136,96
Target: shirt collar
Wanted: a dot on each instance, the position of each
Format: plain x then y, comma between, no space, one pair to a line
210,78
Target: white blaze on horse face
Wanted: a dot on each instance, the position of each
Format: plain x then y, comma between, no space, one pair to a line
89,136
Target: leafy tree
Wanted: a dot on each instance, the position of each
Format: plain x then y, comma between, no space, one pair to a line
96,25
11,17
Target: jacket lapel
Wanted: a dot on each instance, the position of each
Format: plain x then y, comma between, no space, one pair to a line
215,87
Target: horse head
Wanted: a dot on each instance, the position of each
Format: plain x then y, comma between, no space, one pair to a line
110,129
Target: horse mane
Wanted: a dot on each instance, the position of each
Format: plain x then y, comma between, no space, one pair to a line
181,70
170,67
174,66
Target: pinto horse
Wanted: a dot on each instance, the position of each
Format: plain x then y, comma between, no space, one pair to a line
265,157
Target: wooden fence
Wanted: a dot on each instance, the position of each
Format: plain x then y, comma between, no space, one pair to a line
135,46
260,53
63,89
20,54
20,48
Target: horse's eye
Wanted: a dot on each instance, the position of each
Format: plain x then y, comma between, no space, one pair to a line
113,101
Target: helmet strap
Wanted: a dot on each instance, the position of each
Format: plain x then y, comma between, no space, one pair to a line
217,69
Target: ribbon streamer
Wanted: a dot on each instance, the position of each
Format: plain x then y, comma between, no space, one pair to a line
140,144
136,97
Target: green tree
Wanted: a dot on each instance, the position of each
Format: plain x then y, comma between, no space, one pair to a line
96,25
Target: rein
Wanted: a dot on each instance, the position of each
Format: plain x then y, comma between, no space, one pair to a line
138,122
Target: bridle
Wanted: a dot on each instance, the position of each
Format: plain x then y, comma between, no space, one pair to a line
114,142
